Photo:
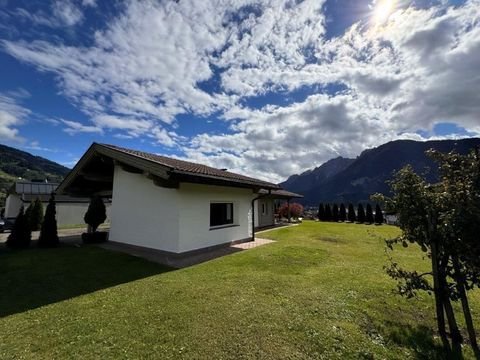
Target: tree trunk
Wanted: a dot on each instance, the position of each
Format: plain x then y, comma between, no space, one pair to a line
439,300
454,332
460,284
452,321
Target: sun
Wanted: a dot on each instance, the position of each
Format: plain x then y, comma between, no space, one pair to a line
382,11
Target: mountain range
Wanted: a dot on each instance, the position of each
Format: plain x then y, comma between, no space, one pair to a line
16,164
337,180
354,180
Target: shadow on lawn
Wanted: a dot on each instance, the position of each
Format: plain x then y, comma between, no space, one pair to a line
37,277
419,338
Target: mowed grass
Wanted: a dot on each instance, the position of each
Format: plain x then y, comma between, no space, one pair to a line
318,292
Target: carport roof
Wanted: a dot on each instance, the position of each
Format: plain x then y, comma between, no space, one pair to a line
281,194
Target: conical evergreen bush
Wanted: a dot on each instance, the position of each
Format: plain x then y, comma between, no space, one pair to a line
48,232
21,236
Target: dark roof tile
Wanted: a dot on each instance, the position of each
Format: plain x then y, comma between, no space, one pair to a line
185,167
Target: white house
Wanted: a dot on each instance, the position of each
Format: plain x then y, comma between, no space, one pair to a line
70,210
166,204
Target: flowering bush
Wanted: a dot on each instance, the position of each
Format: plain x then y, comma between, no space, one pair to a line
296,210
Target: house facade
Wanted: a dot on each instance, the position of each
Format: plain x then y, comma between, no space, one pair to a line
167,204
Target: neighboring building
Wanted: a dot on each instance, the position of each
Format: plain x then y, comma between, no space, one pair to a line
265,206
166,204
70,210
391,219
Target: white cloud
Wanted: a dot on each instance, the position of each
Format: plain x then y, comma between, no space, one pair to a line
63,13
67,12
12,115
74,127
35,145
92,3
153,62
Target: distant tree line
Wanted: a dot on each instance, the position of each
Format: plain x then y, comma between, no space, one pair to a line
335,213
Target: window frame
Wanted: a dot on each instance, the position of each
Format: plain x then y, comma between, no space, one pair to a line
229,221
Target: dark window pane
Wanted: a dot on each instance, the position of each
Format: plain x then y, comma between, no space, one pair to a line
221,214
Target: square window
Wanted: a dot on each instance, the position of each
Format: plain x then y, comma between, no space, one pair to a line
221,214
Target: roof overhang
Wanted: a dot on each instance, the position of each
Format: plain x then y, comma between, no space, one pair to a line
280,194
93,174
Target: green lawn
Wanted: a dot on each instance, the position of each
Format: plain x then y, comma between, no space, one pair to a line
319,292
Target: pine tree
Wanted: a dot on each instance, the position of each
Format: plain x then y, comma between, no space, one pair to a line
48,232
96,213
328,213
335,213
351,213
321,212
21,236
378,215
360,214
28,215
369,215
343,213
36,215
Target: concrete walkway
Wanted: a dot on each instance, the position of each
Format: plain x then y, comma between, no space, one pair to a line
179,262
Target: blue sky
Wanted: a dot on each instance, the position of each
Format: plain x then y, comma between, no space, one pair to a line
267,88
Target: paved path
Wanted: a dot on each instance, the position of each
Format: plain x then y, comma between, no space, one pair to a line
183,261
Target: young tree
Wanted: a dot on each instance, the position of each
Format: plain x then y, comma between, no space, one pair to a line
378,215
444,220
459,191
335,213
21,236
48,232
321,212
36,215
342,216
369,215
351,213
417,209
328,213
96,214
360,214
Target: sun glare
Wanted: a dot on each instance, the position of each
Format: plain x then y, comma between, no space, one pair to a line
383,9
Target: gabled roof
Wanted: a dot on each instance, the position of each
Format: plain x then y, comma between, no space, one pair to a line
185,167
164,168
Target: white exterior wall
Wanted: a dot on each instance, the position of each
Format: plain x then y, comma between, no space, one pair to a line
142,213
67,213
174,220
194,215
267,218
12,206
73,213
